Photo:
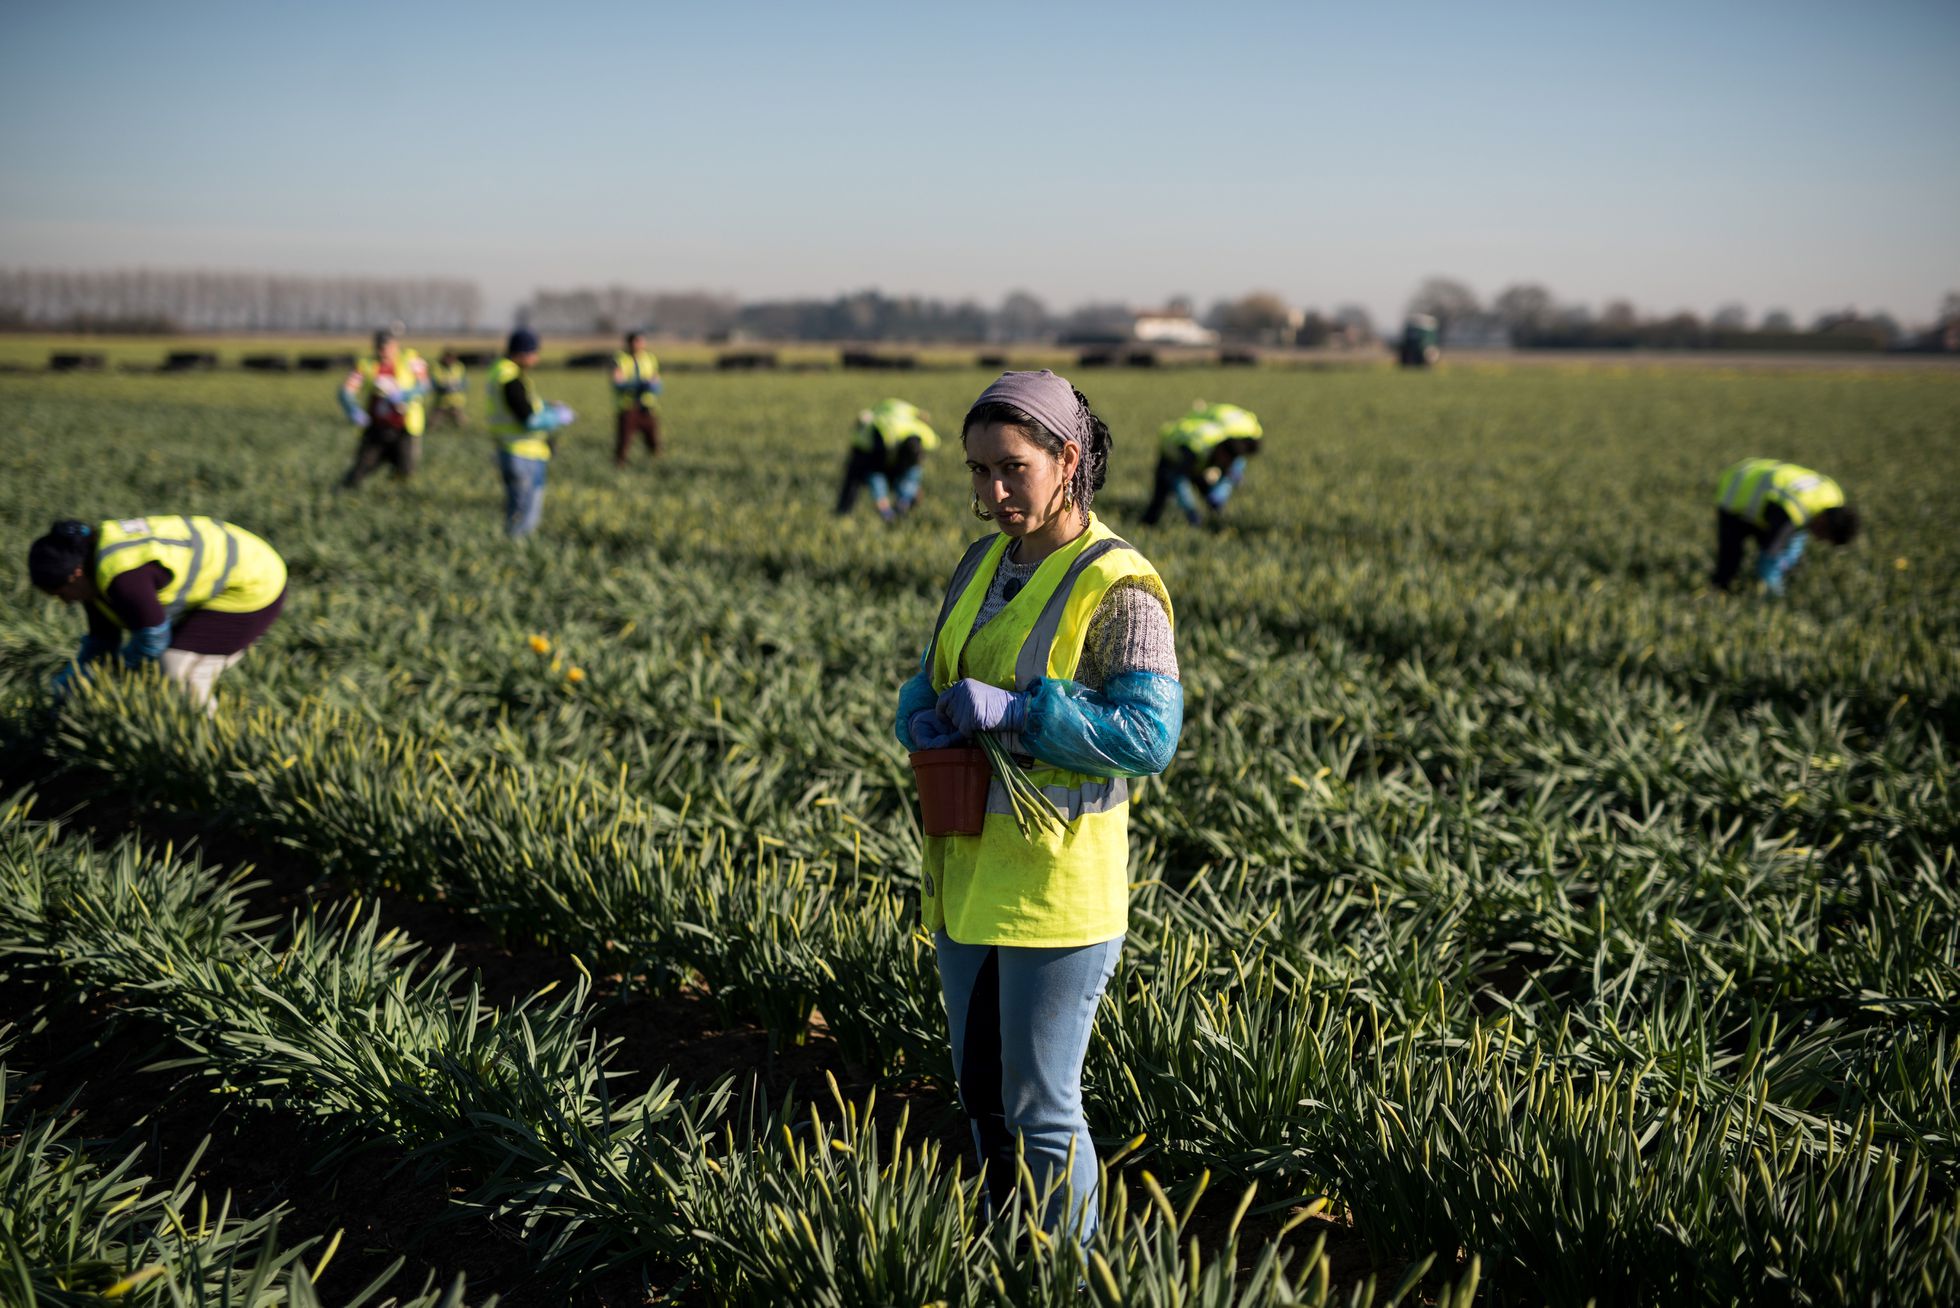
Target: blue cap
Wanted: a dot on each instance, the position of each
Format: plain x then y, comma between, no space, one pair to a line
522,341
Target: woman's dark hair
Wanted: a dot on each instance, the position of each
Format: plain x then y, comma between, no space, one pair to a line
52,559
1089,471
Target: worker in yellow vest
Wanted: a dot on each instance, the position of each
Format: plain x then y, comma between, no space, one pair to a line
1779,506
526,429
451,381
383,396
190,594
887,456
1055,639
1203,455
636,388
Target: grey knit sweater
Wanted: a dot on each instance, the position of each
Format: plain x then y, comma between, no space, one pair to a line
1129,632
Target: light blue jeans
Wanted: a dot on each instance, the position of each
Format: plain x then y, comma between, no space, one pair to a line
523,493
1020,1020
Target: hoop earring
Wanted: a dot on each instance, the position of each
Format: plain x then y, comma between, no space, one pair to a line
979,512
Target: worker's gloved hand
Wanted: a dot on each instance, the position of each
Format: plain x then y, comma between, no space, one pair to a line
146,645
974,706
930,731
70,676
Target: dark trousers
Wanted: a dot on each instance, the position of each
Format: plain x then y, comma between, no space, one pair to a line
1170,472
1731,531
202,631
861,465
390,445
645,422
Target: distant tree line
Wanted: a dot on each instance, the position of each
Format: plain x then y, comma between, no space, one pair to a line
1262,317
142,300
861,316
1531,317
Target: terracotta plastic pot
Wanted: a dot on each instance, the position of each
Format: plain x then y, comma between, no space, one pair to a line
952,790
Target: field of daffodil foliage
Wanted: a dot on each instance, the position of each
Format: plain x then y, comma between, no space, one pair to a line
1517,922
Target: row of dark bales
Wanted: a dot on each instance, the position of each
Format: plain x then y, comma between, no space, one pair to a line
727,361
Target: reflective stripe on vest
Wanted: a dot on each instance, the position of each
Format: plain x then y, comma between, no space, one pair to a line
203,557
1096,795
1042,888
1748,489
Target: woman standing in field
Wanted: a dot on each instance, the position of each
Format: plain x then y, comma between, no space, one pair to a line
192,593
1055,636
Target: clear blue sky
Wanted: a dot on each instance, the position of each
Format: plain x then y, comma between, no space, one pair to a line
1794,154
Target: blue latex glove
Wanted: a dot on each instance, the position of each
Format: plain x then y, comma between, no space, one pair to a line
1222,492
66,677
549,417
930,731
653,387
146,645
916,694
974,706
78,669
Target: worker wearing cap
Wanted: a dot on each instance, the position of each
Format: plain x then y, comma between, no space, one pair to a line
383,397
1207,447
636,384
187,594
1779,506
887,453
451,381
526,429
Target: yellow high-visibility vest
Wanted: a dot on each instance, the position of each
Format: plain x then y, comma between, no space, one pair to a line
413,419
506,426
1194,433
213,565
451,383
1051,890
1748,489
1236,423
640,367
896,421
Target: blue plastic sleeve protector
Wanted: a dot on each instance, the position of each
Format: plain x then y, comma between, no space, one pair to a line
1129,728
908,484
351,406
881,487
1187,498
1772,567
146,645
916,694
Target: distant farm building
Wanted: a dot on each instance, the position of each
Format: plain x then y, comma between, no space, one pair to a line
1170,327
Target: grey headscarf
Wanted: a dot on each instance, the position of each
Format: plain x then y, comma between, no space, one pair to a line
1048,399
